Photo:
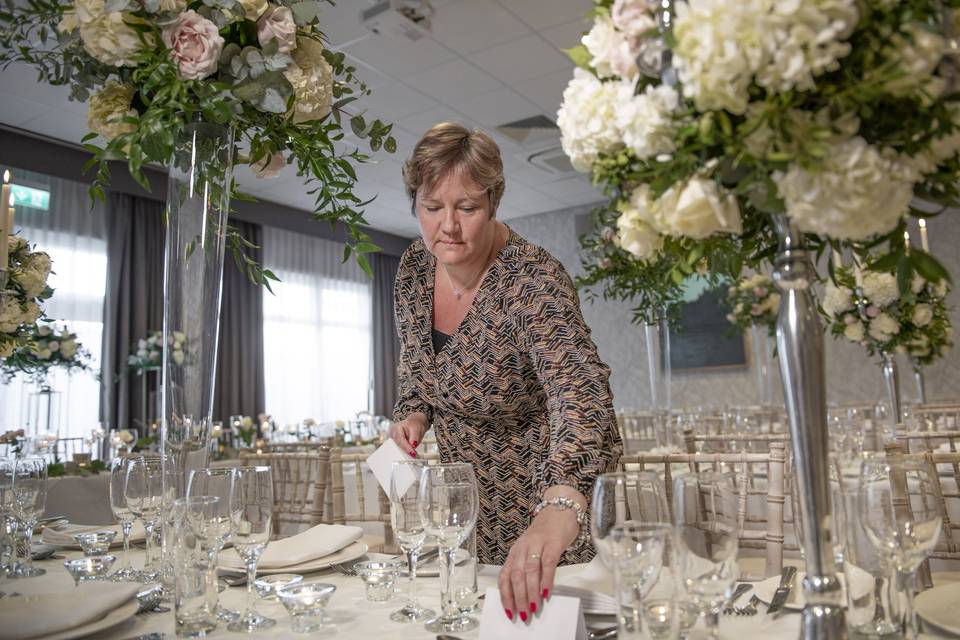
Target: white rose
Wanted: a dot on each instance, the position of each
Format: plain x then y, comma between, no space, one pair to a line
940,289
854,331
108,108
44,331
141,344
634,17
33,282
634,232
253,9
247,421
697,210
109,39
312,80
43,354
883,327
917,283
880,288
922,315
179,336
646,120
125,436
836,300
587,119
31,313
268,166
178,357
614,54
68,349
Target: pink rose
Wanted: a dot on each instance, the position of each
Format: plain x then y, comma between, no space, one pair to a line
849,319
194,44
605,263
268,166
633,17
756,310
760,292
873,311
277,24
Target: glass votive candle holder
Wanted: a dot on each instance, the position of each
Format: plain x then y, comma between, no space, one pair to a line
89,568
306,603
267,586
95,543
379,578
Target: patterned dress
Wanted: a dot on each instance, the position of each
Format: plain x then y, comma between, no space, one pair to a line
518,390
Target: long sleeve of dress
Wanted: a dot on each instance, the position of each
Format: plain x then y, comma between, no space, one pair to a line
409,400
584,439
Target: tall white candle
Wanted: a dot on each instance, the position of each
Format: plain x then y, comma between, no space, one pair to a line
6,223
924,242
906,241
857,274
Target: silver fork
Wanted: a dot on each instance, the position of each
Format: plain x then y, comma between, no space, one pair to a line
344,569
739,591
750,609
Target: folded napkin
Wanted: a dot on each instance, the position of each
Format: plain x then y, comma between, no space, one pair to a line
58,611
63,536
591,582
316,542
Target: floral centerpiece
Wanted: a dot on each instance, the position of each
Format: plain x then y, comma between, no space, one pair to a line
884,320
148,352
21,302
244,428
754,301
702,122
47,347
146,67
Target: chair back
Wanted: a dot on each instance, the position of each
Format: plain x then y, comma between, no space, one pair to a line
300,481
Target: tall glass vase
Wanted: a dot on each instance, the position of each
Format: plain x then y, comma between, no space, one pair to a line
762,357
891,382
920,382
657,336
198,200
800,352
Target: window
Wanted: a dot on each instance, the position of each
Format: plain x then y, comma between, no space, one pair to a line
317,330
75,238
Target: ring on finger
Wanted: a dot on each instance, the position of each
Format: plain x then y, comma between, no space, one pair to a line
533,556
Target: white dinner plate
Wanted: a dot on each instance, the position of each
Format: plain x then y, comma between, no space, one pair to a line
115,617
350,552
938,606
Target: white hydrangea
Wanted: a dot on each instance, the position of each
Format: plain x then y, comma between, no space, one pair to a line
68,349
836,300
312,80
854,331
614,54
880,288
922,315
109,38
587,119
857,192
697,209
634,230
883,327
918,53
645,120
634,17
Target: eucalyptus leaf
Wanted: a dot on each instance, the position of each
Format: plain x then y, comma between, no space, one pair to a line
305,13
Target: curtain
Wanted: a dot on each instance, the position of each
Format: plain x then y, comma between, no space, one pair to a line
386,345
74,235
134,305
239,387
316,330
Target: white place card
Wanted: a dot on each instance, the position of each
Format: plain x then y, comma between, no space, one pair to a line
560,619
381,463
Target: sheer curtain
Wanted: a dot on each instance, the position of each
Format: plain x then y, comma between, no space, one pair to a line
75,238
316,330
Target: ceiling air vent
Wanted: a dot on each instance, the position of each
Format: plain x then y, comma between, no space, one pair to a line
539,136
552,160
404,19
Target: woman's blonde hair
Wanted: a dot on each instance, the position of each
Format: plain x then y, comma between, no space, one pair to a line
450,147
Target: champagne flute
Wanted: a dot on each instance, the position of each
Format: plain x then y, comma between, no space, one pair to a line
705,513
448,504
899,505
251,507
29,499
123,514
217,482
144,494
622,496
408,528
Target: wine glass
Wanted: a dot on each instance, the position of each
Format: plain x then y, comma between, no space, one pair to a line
143,491
216,482
29,499
645,580
705,514
8,549
123,514
899,505
622,496
251,507
408,528
448,504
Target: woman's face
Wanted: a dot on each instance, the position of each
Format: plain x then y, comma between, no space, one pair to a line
455,220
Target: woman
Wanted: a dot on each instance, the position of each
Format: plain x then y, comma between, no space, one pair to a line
495,355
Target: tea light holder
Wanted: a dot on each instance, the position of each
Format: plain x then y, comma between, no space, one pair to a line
306,603
268,586
379,577
90,568
95,543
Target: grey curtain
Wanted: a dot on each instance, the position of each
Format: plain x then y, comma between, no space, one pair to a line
386,344
133,305
239,386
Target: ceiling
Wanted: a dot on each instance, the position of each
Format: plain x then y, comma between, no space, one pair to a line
485,63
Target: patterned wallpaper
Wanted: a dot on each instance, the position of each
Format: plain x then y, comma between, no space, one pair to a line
851,375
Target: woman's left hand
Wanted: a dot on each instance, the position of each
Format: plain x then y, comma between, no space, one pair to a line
527,577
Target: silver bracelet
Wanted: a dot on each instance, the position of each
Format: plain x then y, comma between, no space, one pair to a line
563,504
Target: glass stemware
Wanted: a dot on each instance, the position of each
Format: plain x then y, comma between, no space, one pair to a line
408,528
899,505
29,499
251,507
448,504
705,513
198,534
646,585
8,548
123,514
144,495
217,482
622,496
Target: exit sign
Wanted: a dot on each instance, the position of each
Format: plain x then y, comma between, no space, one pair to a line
30,197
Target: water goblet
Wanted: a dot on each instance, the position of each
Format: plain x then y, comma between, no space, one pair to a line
704,511
29,498
306,603
900,506
143,492
448,504
251,507
409,531
123,514
622,496
88,568
95,543
216,482
645,580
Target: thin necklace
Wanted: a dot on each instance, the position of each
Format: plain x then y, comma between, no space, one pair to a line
459,291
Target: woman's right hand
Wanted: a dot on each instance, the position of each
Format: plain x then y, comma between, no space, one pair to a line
409,433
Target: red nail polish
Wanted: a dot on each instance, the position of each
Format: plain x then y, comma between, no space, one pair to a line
413,453
533,607
546,593
509,614
523,616
414,444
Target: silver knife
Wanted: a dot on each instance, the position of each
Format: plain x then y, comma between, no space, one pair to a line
783,591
